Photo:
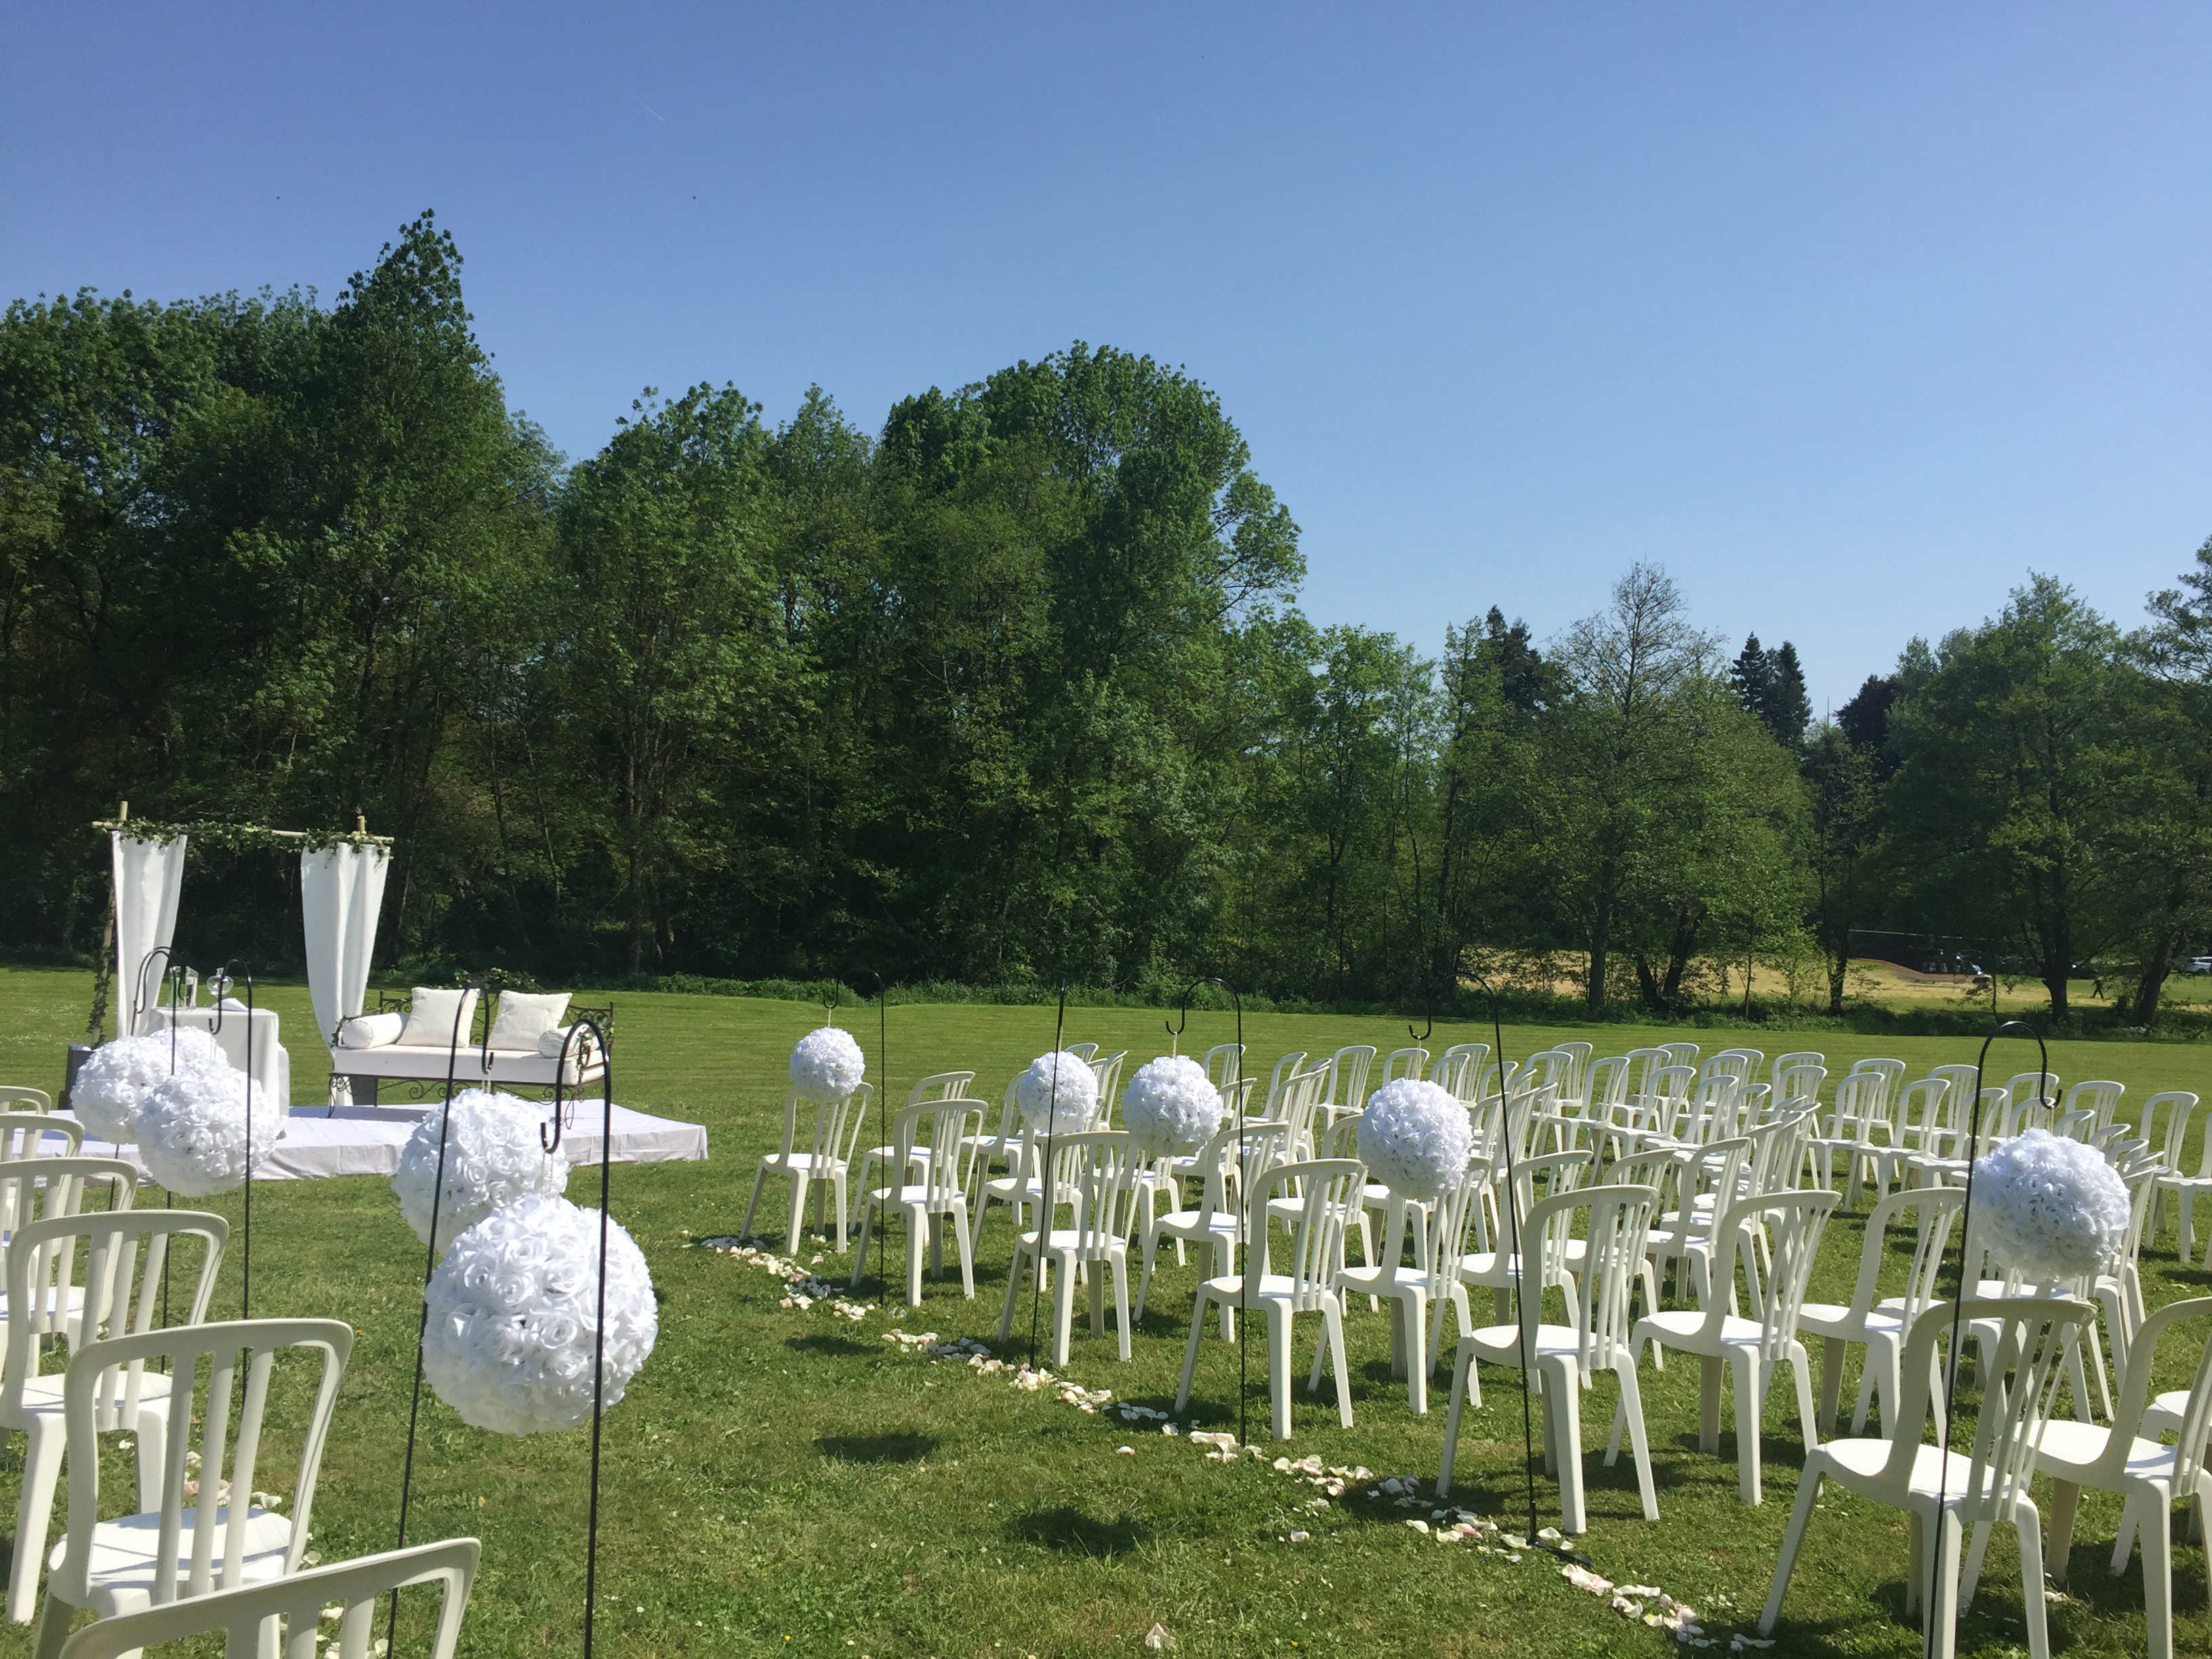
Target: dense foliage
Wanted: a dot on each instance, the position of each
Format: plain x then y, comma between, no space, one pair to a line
1014,690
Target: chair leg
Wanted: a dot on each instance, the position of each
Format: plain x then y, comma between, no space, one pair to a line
44,1442
917,1229
1190,1353
1144,1277
1279,1367
1097,1284
1943,1592
1709,1367
53,1626
1749,1398
1831,1385
1463,1371
760,1174
1417,1356
2028,1526
959,1221
2065,1499
837,1186
1120,1263
1063,1304
1916,1579
1640,1442
1563,1386
1332,1318
1013,1278
867,1225
2158,1570
1808,1488
1978,1546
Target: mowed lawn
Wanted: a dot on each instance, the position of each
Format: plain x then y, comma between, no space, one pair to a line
786,1481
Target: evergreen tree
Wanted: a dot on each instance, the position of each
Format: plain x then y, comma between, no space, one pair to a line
1789,709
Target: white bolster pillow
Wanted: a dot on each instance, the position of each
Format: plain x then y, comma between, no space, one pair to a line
371,1030
552,1045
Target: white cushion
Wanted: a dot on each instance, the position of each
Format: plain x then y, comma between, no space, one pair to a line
555,1043
522,1018
437,1016
371,1030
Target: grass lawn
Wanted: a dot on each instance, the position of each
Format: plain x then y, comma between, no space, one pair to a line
786,1481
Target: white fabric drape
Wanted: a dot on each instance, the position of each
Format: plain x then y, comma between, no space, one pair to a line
147,876
341,894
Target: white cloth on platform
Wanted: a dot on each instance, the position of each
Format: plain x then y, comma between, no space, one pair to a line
147,876
272,1065
341,896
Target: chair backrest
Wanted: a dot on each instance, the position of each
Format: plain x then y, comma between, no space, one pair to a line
1224,1063
1081,1050
2031,1100
219,1532
1919,1111
1404,1063
1608,1082
285,1615
1681,1054
1300,1103
1347,1075
939,1085
1642,1063
838,1125
2101,1096
1574,1087
1260,1144
2031,1333
35,1100
1777,1151
2180,1107
1107,1069
1933,1212
1237,1098
1855,1096
1796,1057
31,1133
1449,1219
1742,1064
1617,1221
122,1276
1773,1238
1711,1113
1101,1175
942,1127
1287,1065
2140,1377
1327,1191
36,1188
1459,1070
1342,1137
1666,1099
1799,1083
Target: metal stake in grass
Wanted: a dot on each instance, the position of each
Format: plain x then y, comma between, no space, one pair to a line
222,983
1047,1183
2020,1027
1232,1074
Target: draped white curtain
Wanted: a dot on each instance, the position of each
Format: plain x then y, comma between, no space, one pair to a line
341,894
148,876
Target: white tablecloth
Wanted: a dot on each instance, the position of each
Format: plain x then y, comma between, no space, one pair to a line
272,1065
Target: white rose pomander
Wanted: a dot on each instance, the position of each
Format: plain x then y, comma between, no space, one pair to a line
1415,1137
1059,1094
508,1341
115,1078
1169,1109
493,1158
192,1130
2053,1207
827,1065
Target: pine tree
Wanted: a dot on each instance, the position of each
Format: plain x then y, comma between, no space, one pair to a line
1789,710
1752,675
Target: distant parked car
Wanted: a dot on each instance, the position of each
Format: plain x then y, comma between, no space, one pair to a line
2198,965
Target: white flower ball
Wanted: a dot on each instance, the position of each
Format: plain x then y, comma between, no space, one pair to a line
508,1342
193,1128
827,1064
493,1158
2052,1207
112,1084
1415,1137
1170,1107
1059,1094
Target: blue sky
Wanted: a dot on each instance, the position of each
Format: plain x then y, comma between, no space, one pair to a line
1849,316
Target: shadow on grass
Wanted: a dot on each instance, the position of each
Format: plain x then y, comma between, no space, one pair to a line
823,1342
1074,1533
876,1448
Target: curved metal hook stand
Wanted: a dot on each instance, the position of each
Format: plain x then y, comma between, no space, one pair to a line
2007,1028
1175,1033
222,982
140,1002
1047,1180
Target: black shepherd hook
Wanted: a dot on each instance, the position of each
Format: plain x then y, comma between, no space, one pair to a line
1244,1198
2008,1028
142,1002
222,983
882,998
1520,1264
594,1043
1047,1179
463,1006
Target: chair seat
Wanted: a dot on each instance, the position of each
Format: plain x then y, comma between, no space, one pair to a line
1835,1320
801,1163
1684,1327
1501,1343
1859,1460
1384,1281
2068,1448
120,1576
1271,1287
1067,1242
950,1198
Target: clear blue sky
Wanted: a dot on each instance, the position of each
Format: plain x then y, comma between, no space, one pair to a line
1849,315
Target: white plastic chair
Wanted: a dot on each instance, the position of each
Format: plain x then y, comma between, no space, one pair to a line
1681,1054
1217,1221
1881,1328
222,1539
1774,1238
1224,1063
1316,1243
2149,1477
2186,1188
1404,1063
1460,1067
1101,1163
1347,1081
1567,1357
1946,1490
1287,1065
286,1614
1492,1265
36,1188
938,1085
940,1197
124,1252
36,1100
1411,1291
824,1164
1106,1069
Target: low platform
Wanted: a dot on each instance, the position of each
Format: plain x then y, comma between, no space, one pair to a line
365,1140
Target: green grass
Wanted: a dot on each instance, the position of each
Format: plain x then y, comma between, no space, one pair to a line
785,1481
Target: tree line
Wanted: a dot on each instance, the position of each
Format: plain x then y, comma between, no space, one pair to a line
1013,688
